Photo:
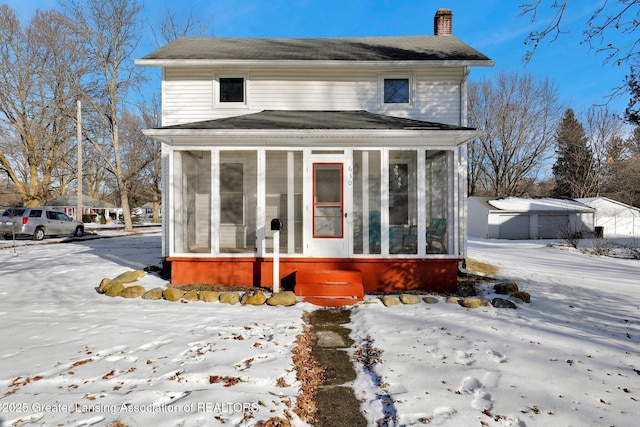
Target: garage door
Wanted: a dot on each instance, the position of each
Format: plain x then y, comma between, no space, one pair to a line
553,226
514,227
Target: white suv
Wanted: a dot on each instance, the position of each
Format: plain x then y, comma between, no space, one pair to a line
38,223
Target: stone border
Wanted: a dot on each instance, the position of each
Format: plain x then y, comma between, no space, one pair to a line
117,287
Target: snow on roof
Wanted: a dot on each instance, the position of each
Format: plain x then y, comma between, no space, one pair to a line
523,204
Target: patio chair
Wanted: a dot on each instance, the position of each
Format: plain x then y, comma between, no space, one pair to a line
374,231
436,232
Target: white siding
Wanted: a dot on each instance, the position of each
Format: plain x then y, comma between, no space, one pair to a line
188,92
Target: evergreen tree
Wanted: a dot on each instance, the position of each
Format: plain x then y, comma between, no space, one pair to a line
574,169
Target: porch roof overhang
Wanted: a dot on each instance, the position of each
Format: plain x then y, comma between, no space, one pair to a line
269,127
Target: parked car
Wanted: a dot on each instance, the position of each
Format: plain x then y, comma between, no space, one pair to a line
38,223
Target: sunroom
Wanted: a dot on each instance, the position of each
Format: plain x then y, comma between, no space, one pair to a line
352,191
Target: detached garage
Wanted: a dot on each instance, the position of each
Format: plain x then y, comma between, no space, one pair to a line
521,218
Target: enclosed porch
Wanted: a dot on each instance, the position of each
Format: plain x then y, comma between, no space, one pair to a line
385,202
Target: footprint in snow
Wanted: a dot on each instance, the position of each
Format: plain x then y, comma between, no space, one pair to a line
496,356
474,386
469,385
464,358
442,414
154,345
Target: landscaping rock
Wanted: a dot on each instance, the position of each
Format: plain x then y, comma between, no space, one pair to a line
191,295
153,294
502,303
114,290
129,276
505,288
475,302
389,300
430,300
133,291
210,296
230,298
105,284
254,298
523,296
285,298
409,299
173,294
452,300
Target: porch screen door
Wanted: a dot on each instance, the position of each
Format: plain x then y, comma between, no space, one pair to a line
329,237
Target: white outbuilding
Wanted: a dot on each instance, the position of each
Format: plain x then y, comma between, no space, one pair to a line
523,218
613,218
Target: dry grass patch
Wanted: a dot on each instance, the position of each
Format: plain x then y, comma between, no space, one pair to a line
481,267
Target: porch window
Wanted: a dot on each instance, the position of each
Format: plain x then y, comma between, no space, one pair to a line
437,201
193,201
238,201
284,199
367,221
403,211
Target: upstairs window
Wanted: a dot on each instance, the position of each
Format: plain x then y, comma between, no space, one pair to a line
396,91
231,89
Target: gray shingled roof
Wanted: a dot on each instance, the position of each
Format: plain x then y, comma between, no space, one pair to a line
296,120
401,48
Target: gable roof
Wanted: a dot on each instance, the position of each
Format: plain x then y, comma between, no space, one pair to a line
357,49
300,120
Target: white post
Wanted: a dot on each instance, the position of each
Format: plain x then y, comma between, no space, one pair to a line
276,261
79,184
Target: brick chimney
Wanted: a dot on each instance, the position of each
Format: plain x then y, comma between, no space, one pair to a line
443,22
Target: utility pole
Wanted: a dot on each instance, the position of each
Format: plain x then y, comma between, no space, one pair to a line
79,184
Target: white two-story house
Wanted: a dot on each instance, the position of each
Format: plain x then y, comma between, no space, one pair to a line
357,146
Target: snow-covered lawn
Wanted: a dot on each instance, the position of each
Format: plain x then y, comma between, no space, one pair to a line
69,356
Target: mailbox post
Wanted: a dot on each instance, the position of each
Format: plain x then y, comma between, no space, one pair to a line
276,226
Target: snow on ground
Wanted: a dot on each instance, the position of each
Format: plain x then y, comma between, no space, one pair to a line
570,358
69,356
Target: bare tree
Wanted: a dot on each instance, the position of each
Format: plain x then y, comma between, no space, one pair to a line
610,30
179,24
110,30
152,174
606,133
623,170
174,25
40,67
517,116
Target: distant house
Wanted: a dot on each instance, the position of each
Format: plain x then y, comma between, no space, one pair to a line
354,144
613,218
90,206
528,218
147,210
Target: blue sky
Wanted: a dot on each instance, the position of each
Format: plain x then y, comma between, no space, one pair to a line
492,26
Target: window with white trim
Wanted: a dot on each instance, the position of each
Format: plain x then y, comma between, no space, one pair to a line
230,90
396,90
